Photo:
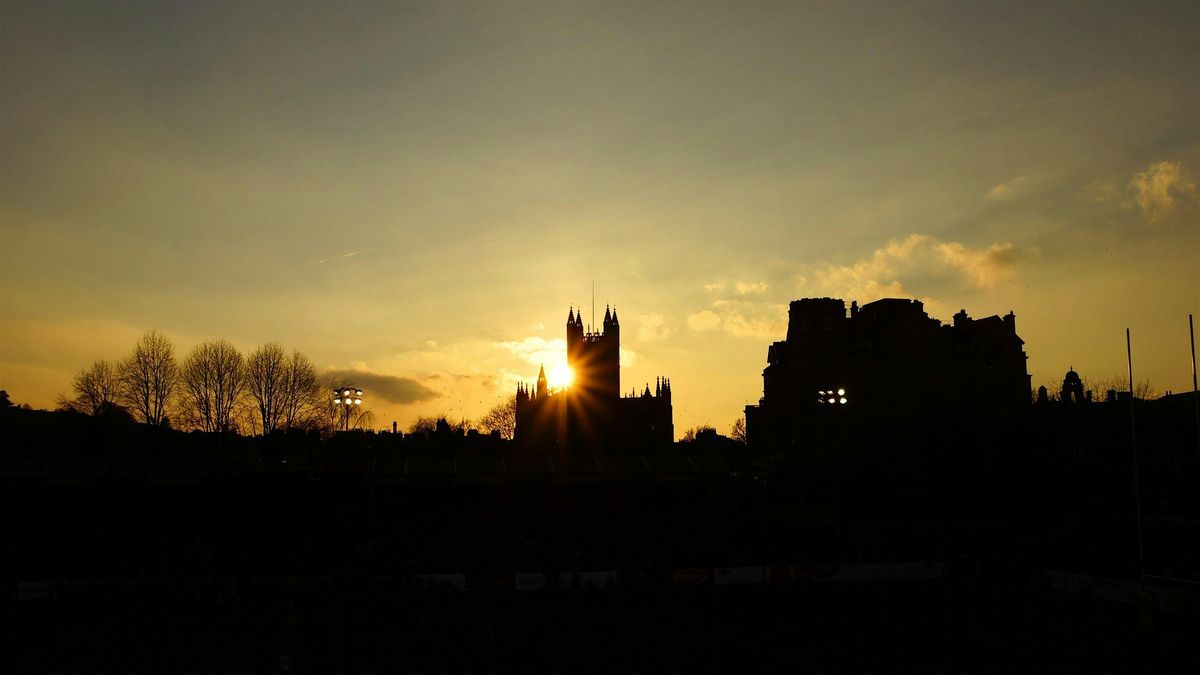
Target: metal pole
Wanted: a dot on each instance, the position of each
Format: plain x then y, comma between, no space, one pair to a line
1137,496
1195,396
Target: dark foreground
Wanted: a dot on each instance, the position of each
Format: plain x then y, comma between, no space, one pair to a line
916,626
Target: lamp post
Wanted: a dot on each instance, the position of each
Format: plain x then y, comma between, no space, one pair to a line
347,399
832,396
835,397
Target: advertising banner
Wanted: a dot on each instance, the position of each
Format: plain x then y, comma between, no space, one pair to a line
739,575
455,581
531,581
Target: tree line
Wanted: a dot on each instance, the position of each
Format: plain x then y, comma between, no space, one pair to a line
500,419
214,388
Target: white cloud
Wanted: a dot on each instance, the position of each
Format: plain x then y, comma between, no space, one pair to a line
626,357
916,265
653,327
1161,188
757,322
537,350
748,288
715,286
982,267
870,278
742,318
1008,188
919,259
1101,191
703,320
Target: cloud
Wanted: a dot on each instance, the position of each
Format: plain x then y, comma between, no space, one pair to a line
747,288
741,317
626,357
982,267
905,267
1101,191
703,320
1033,104
351,254
392,388
653,327
1006,189
918,262
869,278
740,287
537,351
754,320
1162,188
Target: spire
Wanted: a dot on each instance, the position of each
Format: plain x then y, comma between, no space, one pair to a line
571,315
542,388
615,314
607,315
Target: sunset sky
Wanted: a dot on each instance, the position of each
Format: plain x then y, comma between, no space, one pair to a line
414,194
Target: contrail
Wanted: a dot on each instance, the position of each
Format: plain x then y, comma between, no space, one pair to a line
348,255
1033,104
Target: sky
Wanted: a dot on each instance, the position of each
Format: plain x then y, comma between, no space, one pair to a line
413,195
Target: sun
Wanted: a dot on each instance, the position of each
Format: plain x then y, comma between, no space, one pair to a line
560,376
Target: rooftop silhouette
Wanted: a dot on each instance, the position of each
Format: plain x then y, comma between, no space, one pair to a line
888,363
591,415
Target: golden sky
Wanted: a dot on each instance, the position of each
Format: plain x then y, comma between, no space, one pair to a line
413,194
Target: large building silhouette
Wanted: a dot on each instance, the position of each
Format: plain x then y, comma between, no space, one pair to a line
889,369
592,415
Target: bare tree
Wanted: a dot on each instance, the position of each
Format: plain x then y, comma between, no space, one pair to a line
266,380
696,432
1120,383
362,419
738,431
96,389
303,392
148,377
325,416
424,425
462,426
502,417
213,380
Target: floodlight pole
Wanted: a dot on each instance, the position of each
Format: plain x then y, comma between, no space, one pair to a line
1195,395
346,399
1137,496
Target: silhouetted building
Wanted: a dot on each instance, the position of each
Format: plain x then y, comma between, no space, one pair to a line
1072,391
1072,388
886,364
591,414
